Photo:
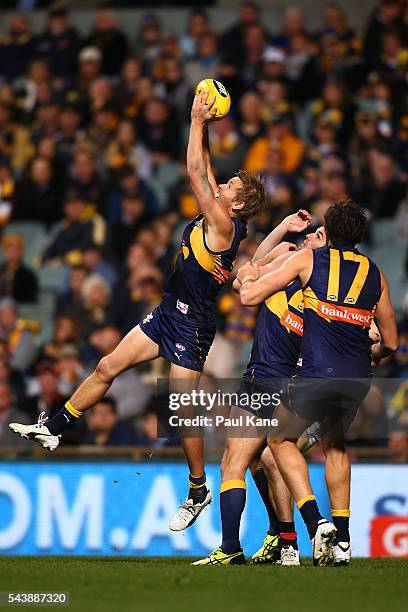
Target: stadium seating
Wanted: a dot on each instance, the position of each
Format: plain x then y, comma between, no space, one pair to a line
35,237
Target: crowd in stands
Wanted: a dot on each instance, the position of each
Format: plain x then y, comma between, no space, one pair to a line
93,134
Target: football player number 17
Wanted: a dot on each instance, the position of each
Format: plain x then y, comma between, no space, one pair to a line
334,276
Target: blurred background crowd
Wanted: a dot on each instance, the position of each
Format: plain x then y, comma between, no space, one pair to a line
93,190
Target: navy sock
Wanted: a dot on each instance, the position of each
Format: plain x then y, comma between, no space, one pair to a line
287,534
341,522
262,485
198,489
310,513
62,419
232,504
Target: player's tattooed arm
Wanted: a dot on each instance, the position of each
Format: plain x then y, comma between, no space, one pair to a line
296,223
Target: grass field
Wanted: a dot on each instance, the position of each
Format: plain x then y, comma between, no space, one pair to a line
164,584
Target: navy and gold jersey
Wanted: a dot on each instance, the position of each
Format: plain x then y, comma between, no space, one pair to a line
340,299
199,274
278,335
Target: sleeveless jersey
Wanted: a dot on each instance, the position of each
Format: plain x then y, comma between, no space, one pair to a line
199,274
278,335
340,299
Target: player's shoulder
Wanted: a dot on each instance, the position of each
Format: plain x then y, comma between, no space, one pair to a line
384,284
197,221
302,255
300,260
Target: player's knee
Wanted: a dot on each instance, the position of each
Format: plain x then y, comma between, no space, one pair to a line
105,370
275,443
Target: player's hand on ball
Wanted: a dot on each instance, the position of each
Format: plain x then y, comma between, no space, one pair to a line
203,110
248,272
298,222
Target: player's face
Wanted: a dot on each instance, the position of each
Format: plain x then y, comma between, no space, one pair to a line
226,192
315,240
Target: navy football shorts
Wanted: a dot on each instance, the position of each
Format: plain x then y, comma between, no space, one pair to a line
331,402
260,394
181,342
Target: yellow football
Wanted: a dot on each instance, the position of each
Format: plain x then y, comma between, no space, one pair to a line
222,97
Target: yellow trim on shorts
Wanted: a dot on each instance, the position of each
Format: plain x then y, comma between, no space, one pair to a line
232,484
345,513
301,502
73,410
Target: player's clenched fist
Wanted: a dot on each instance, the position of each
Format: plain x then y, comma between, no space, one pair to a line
248,272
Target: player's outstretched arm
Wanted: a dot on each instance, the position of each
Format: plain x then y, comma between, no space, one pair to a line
297,222
387,325
284,248
271,262
217,218
207,157
255,288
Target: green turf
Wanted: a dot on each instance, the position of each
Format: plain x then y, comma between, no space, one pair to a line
165,584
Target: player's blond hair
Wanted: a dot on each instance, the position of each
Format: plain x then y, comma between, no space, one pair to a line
252,193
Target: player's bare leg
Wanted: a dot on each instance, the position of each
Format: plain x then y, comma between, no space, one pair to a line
194,451
283,503
337,473
183,380
282,498
293,467
338,477
133,349
279,492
